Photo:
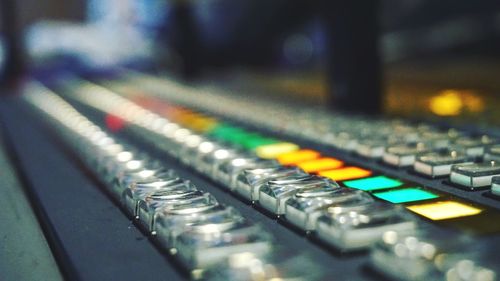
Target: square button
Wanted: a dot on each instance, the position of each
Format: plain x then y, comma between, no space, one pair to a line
444,210
347,173
321,164
373,183
405,195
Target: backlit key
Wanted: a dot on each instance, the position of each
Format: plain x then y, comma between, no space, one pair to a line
444,210
320,164
346,173
298,156
373,183
405,195
272,151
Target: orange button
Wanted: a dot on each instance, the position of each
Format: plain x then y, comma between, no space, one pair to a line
298,156
320,164
346,173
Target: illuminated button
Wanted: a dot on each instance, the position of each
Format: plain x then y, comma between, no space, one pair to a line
474,175
405,195
320,164
444,210
373,183
227,133
346,173
205,125
436,164
274,150
253,141
298,156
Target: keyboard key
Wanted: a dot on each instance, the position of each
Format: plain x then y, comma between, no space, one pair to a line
205,245
424,256
492,153
298,156
347,173
304,208
166,203
168,228
145,175
214,159
403,155
405,195
372,148
248,266
346,141
475,146
272,151
229,171
275,193
320,164
437,164
188,151
174,188
495,186
444,210
249,181
437,140
474,175
360,226
373,183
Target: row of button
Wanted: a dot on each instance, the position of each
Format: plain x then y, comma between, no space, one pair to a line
308,160
429,150
310,202
346,218
188,222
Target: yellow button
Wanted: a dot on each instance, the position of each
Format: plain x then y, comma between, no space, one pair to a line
271,151
347,173
298,156
204,124
444,210
320,164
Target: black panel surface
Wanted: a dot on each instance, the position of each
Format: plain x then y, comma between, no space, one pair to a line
92,238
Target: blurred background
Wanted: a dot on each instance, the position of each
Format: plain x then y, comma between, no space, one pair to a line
419,58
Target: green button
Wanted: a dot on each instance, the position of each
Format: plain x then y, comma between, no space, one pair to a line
373,183
252,143
405,195
228,133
